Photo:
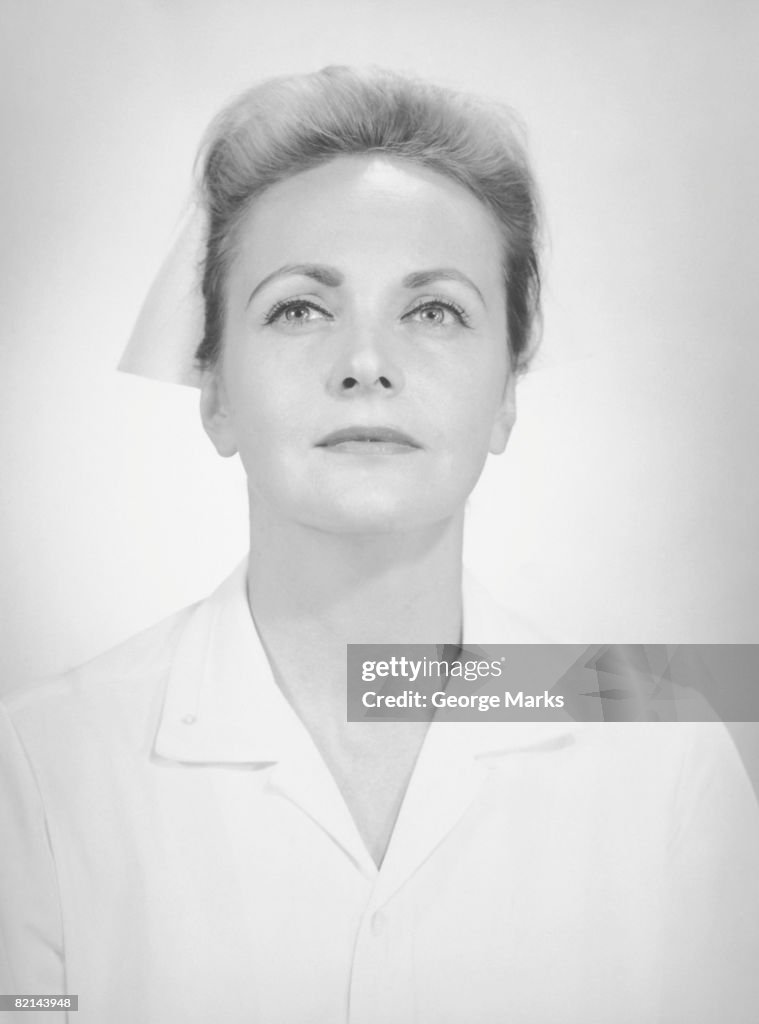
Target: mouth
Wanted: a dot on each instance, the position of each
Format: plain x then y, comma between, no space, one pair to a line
361,440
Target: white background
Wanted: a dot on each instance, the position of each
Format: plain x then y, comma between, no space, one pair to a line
625,509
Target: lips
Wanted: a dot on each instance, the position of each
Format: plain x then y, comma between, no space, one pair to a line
369,440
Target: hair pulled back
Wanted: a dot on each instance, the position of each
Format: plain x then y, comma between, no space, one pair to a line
287,125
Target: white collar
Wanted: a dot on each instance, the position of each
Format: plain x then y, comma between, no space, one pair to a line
223,705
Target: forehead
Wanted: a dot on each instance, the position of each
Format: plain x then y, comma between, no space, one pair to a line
371,213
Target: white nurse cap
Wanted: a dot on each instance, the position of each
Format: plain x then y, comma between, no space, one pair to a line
169,327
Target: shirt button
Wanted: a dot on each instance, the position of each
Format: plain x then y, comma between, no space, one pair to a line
378,924
189,720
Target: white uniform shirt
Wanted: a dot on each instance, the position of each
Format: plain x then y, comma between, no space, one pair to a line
175,851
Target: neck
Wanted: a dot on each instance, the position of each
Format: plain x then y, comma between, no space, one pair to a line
332,589
312,592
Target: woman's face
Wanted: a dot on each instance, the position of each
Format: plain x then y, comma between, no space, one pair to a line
365,372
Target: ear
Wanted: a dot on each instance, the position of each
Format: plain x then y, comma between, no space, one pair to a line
215,414
505,416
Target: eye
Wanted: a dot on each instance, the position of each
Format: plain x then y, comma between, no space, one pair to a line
296,313
438,313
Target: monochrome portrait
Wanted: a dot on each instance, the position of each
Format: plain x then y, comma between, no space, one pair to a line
379,534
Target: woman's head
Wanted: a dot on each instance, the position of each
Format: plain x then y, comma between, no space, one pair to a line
288,125
361,283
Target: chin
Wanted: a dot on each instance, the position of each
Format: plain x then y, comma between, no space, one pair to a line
379,513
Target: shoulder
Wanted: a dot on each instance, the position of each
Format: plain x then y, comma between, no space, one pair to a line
120,685
683,747
692,771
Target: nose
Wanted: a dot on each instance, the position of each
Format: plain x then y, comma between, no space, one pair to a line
364,365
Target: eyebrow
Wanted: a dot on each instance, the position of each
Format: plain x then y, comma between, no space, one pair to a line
328,276
333,278
419,278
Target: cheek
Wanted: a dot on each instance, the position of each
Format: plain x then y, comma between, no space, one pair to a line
262,399
476,396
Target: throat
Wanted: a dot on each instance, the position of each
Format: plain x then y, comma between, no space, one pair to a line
373,776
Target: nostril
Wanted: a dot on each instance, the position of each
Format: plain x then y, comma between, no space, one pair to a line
348,383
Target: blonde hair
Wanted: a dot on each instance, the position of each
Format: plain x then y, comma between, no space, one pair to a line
287,125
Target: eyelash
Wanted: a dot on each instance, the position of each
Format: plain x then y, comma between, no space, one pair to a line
452,307
282,307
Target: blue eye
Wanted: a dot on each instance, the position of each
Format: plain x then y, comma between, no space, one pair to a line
438,313
296,312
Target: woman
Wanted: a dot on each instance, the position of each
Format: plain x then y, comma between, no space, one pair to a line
195,832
